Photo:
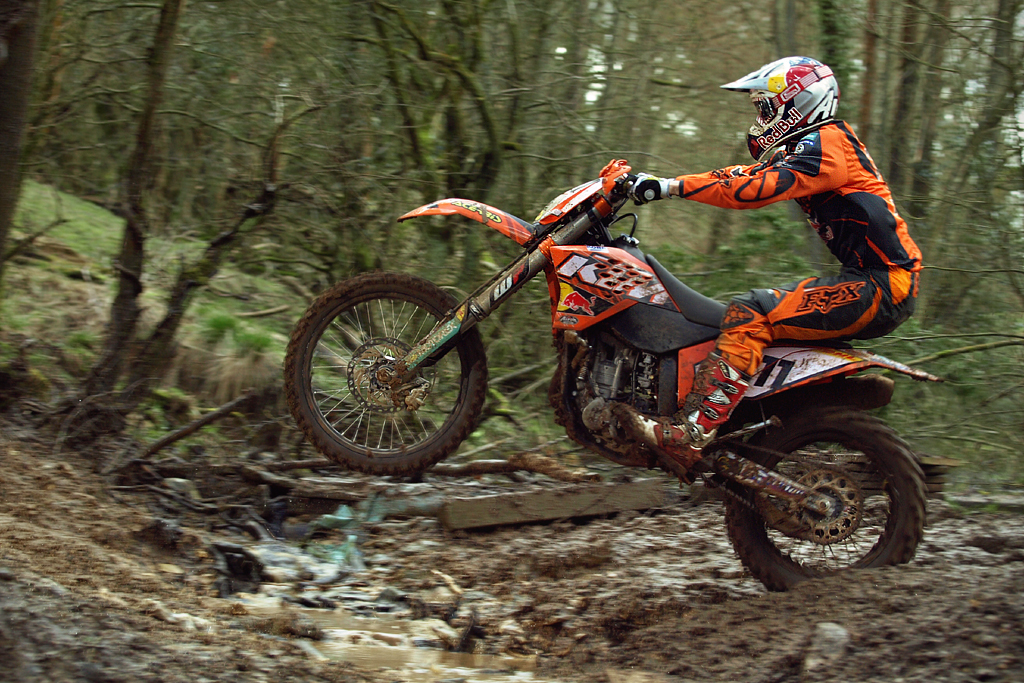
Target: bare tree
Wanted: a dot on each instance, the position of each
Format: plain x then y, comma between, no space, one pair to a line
17,48
125,310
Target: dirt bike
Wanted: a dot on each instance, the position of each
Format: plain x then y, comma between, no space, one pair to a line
386,374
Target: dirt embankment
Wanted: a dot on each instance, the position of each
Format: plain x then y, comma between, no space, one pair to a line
97,585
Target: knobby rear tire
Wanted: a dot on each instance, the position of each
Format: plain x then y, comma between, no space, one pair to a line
883,464
331,398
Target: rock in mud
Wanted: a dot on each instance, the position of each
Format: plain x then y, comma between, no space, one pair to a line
828,645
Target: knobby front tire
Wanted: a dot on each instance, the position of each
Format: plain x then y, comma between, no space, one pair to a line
330,376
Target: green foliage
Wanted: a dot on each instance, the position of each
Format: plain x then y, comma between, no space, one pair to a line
82,226
769,250
772,245
834,20
218,327
509,103
252,341
68,313
169,407
974,416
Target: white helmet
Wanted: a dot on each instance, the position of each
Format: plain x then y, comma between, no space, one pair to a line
793,95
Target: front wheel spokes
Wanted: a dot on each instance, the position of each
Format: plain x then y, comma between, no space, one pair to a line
336,419
330,401
354,427
350,376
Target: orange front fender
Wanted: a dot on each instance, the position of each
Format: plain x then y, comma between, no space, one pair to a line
502,221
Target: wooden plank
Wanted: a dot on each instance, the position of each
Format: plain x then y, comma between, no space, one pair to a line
1001,502
339,493
938,461
560,503
935,468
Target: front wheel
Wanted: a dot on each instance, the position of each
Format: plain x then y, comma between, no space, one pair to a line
339,380
857,460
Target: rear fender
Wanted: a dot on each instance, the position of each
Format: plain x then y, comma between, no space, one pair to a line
787,367
502,221
860,392
795,378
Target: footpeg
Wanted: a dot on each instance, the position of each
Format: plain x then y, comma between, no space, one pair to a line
660,436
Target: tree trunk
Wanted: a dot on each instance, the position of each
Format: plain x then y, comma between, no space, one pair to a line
834,32
124,312
784,22
905,96
17,46
1002,93
867,94
153,356
937,37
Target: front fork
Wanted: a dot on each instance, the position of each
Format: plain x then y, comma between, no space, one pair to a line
488,297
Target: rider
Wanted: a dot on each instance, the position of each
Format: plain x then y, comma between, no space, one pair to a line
802,153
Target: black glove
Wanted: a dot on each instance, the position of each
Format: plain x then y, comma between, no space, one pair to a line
647,188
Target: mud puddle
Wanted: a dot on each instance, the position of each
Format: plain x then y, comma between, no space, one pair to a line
407,650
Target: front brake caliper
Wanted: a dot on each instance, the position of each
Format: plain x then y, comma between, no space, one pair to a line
417,395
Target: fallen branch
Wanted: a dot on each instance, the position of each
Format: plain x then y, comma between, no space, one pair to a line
24,244
192,469
452,585
264,313
256,475
194,505
196,425
315,463
965,349
530,462
467,631
486,447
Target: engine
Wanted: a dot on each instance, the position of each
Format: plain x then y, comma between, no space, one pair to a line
621,373
595,372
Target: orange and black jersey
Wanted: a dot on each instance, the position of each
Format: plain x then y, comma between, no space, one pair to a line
833,178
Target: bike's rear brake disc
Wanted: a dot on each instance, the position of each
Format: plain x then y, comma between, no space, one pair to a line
807,525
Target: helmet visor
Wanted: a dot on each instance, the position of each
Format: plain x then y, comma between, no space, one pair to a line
765,106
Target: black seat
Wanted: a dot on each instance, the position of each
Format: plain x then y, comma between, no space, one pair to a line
696,307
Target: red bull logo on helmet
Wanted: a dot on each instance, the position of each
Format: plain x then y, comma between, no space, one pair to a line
780,129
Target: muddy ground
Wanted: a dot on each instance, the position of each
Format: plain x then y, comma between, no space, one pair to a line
122,584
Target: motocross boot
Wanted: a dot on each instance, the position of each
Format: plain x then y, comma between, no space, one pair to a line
717,388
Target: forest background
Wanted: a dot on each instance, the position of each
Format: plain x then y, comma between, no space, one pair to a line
190,176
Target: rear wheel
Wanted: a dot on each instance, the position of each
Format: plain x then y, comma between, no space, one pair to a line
860,463
339,380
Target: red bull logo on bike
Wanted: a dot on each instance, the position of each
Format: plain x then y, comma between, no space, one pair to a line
573,300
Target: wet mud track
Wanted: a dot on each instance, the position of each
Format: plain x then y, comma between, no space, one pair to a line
86,594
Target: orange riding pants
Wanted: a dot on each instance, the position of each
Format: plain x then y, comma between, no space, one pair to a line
856,304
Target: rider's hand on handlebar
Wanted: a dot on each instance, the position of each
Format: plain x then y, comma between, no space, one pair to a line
647,188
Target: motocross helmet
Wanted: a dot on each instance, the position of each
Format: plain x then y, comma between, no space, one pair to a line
793,96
